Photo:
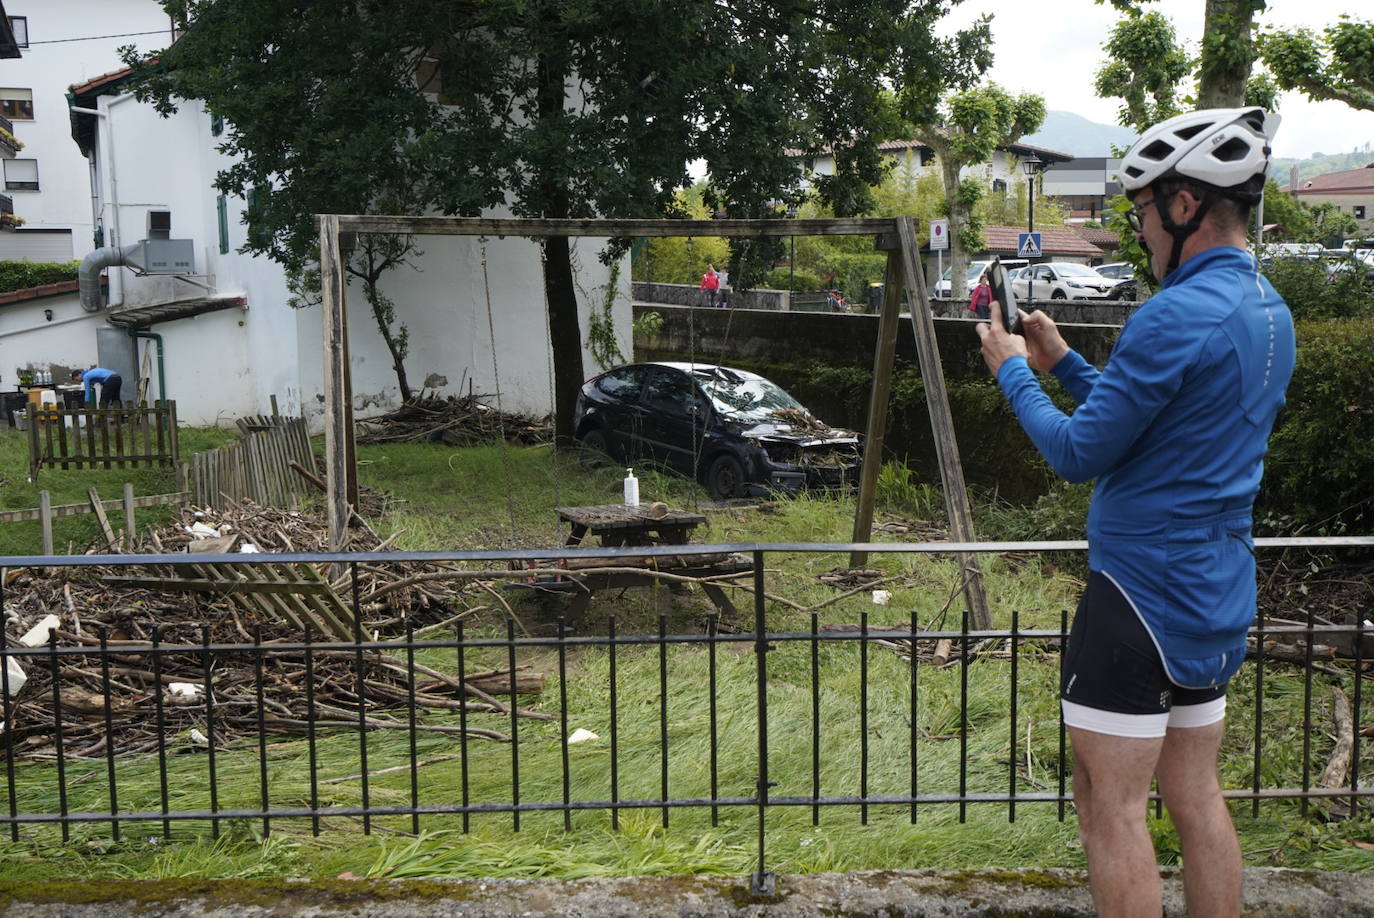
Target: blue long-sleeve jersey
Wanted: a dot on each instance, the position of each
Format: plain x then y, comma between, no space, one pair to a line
1175,429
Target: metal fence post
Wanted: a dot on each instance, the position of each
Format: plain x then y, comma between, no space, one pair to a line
764,883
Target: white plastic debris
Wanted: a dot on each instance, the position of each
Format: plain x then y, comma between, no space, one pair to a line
184,692
17,678
881,597
201,531
197,738
581,736
37,636
248,548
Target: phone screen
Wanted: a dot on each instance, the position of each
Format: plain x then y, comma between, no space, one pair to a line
1001,293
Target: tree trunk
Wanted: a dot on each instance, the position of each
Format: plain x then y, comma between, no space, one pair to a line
565,331
1227,52
958,257
565,334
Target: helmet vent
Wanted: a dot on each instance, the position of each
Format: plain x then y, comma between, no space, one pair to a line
1159,150
1232,150
1190,131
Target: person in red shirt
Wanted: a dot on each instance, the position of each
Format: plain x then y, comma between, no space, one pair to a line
980,303
710,282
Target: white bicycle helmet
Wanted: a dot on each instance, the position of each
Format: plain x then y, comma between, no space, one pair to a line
1223,150
1222,147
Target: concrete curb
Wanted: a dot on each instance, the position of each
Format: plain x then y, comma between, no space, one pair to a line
877,894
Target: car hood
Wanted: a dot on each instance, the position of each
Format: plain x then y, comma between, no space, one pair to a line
782,430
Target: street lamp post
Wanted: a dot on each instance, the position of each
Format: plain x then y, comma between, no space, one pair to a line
1031,165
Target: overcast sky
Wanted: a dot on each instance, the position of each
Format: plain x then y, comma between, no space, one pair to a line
1054,48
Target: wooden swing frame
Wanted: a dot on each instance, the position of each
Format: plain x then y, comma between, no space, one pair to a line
895,236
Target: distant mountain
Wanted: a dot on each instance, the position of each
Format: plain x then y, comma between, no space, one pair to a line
1066,132
1320,164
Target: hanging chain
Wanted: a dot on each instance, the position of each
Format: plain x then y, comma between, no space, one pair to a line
553,396
496,375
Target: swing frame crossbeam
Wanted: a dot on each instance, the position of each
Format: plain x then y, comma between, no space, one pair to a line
894,235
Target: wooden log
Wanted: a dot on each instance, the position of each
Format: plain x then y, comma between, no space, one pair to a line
1338,766
98,508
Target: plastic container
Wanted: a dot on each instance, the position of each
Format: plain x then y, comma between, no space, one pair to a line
631,489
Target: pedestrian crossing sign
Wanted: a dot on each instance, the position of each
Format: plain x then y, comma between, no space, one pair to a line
1028,245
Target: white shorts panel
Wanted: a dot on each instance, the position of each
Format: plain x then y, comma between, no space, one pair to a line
1198,715
1135,726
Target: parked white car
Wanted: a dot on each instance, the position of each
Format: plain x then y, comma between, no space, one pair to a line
1061,280
1117,270
975,268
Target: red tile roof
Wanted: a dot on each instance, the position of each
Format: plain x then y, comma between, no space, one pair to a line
1003,239
1351,180
35,293
1099,237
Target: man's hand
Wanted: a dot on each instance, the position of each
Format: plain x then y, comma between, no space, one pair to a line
998,343
1044,345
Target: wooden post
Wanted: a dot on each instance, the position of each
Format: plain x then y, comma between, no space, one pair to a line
336,394
878,397
35,445
45,520
941,423
129,529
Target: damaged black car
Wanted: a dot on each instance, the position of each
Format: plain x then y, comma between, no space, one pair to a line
734,431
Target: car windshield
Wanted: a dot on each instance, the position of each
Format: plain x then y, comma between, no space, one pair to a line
744,399
1068,269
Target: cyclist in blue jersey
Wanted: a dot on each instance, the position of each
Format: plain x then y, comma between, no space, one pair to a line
1174,430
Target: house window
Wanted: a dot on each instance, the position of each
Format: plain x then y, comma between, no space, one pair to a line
17,104
222,208
21,175
258,237
1359,211
999,186
216,125
19,25
927,156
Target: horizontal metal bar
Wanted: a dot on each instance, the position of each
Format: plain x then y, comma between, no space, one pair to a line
553,806
548,554
537,228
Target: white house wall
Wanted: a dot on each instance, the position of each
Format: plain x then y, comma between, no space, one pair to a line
48,66
225,364
28,340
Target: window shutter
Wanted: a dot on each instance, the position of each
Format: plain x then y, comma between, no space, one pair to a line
223,208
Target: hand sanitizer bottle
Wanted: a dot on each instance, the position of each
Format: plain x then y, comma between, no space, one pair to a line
631,489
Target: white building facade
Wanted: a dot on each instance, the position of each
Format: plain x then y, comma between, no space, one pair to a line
62,42
229,339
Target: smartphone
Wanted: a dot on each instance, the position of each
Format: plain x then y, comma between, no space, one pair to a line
1001,293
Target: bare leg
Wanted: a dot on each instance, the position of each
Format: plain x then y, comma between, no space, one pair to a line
1211,853
1111,784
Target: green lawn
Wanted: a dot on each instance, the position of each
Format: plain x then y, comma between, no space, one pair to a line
495,497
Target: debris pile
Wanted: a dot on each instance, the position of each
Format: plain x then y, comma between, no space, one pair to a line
151,698
454,421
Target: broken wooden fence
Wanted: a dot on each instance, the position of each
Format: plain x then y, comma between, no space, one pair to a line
257,466
121,436
45,512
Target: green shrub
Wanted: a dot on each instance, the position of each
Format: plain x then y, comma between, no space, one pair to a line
1321,456
21,275
785,279
1304,286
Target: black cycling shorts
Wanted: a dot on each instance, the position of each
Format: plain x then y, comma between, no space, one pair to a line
1112,664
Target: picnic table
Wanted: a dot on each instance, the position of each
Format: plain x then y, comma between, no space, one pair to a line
619,525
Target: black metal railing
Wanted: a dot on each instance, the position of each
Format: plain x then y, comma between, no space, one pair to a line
98,757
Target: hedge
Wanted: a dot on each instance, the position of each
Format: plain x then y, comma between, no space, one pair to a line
21,275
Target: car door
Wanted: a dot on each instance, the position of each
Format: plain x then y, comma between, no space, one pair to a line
617,400
674,416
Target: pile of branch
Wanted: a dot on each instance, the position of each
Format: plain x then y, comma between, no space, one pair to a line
454,421
86,604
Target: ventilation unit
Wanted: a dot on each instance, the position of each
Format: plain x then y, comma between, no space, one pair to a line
159,224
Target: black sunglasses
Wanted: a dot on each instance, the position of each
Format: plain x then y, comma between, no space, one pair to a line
1135,214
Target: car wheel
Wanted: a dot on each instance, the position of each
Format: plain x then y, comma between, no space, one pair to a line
725,477
1059,295
593,451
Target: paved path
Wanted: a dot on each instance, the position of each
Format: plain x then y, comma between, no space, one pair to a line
882,894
